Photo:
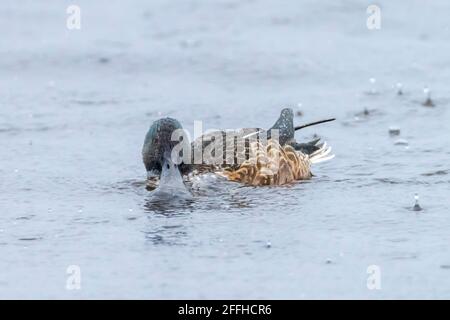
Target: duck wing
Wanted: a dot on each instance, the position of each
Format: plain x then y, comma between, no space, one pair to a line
222,148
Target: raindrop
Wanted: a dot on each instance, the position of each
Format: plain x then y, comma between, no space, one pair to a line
103,60
428,101
399,88
394,131
417,206
364,113
268,244
299,112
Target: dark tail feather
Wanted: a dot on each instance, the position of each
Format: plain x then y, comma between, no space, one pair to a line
285,126
307,148
313,123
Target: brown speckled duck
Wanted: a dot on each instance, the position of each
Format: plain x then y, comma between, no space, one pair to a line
271,157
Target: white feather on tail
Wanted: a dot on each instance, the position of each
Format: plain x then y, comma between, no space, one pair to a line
321,155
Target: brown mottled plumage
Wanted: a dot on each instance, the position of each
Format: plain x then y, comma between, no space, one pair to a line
271,164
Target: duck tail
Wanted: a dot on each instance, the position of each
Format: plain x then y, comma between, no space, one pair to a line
322,154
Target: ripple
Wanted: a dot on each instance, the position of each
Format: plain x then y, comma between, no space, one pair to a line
388,180
135,185
404,256
169,208
10,130
89,102
362,116
436,173
37,128
25,217
30,238
398,240
174,235
94,222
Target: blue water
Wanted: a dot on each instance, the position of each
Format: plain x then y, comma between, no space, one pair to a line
75,106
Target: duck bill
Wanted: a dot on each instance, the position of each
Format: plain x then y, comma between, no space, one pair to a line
171,181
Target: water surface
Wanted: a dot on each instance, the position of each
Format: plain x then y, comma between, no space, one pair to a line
75,106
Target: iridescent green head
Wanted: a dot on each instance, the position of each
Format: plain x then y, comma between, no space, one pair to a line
158,144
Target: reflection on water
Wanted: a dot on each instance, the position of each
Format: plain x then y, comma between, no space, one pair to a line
169,206
172,235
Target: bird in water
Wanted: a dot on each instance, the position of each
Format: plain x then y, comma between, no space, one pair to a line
251,156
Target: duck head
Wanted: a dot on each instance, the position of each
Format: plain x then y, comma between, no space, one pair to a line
158,145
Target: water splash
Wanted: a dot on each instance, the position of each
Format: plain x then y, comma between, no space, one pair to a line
299,111
401,142
399,88
428,101
417,206
394,131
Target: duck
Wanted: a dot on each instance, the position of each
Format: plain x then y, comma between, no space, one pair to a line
250,156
